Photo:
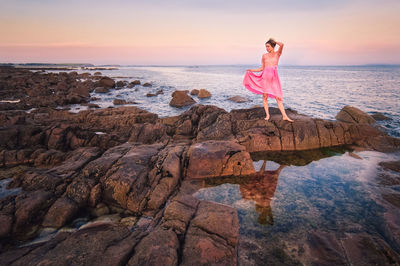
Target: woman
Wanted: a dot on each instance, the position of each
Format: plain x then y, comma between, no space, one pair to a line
267,83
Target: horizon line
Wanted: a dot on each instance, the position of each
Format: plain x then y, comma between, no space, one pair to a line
165,65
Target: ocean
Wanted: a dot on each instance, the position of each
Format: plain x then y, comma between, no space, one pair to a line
317,91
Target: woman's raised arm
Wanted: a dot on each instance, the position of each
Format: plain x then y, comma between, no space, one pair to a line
280,47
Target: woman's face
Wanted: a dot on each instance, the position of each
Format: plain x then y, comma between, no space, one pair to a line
269,47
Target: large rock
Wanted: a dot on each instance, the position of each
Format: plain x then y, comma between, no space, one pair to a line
30,210
127,183
106,82
352,114
159,247
180,99
217,159
98,244
203,93
60,213
212,236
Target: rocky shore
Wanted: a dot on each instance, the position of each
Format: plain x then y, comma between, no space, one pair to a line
124,170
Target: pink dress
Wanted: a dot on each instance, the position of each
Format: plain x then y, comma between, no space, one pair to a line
266,82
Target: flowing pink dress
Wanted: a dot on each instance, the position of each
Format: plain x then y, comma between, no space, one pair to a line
266,82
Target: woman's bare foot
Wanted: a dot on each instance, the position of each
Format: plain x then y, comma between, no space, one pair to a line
266,118
287,119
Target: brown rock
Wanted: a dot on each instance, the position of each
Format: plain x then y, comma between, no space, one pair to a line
119,102
127,183
135,82
218,158
212,236
121,83
380,117
170,176
392,165
101,90
106,82
30,209
203,93
60,213
362,249
179,212
6,222
180,99
351,114
99,244
219,129
159,247
146,84
194,92
238,99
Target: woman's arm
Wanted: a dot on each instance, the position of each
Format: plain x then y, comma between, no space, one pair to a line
260,68
280,47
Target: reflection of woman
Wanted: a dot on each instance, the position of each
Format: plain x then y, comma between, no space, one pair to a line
261,189
267,82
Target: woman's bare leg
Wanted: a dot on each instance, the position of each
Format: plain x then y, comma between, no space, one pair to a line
282,109
265,103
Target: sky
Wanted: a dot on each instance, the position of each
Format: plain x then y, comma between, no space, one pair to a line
199,32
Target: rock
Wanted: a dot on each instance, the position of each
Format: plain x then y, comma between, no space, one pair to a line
146,84
86,75
212,236
217,159
185,128
6,222
60,213
159,246
238,99
351,114
106,82
178,213
393,165
203,93
380,117
218,129
170,170
119,102
363,249
135,82
30,210
151,94
98,168
99,244
121,83
126,185
194,92
97,73
180,99
101,90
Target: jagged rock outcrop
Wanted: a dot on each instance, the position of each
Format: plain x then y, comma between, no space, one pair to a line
130,164
180,99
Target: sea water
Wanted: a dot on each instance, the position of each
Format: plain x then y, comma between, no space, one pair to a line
318,91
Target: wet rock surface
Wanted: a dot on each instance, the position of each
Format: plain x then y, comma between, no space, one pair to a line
130,164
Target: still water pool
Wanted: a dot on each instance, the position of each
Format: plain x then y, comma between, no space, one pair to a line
313,207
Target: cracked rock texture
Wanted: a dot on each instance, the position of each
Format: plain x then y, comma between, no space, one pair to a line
132,173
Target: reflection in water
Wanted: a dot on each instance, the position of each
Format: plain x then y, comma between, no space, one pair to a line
261,188
335,201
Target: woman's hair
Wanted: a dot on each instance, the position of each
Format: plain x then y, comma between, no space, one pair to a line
272,42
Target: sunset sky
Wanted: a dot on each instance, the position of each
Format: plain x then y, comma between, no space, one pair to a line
315,32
